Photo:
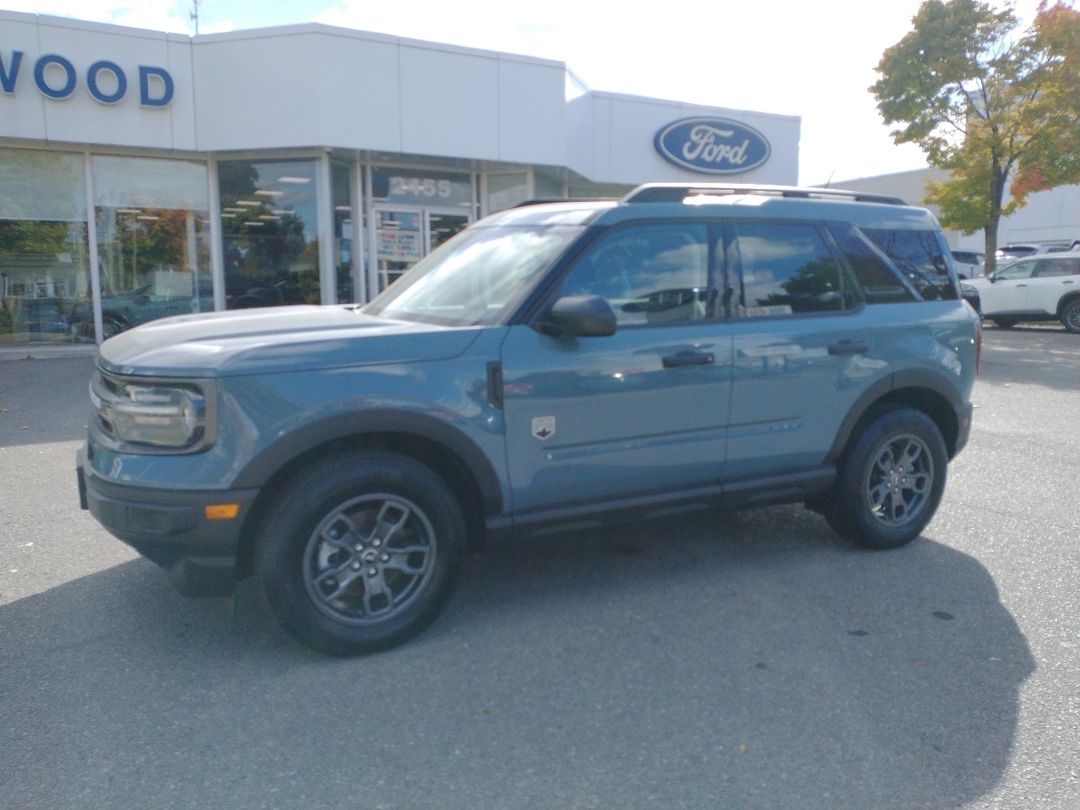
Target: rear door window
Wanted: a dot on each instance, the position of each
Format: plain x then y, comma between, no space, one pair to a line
785,269
878,282
1058,267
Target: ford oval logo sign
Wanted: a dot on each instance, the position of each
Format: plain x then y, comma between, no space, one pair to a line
712,145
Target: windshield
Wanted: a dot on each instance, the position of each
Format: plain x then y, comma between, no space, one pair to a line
475,277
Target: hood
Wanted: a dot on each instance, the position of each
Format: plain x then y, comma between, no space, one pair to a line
278,339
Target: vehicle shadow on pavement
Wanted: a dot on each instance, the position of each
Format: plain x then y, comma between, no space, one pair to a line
706,660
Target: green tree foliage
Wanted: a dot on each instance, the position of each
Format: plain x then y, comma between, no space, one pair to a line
987,103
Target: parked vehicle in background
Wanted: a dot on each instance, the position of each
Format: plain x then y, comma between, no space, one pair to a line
166,294
969,263
1020,250
552,365
1044,287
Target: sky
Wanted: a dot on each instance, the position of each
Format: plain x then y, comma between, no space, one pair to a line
814,60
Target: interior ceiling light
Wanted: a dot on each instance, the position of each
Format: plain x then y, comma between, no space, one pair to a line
299,181
269,192
250,203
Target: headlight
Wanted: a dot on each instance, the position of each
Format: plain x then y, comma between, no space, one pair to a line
150,413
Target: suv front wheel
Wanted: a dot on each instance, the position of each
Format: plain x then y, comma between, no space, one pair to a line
360,552
890,481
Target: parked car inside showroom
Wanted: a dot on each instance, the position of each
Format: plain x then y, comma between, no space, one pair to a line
1043,287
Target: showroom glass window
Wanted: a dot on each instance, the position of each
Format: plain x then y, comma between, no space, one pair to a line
269,222
44,259
153,235
341,182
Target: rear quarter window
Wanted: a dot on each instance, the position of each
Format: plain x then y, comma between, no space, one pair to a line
919,256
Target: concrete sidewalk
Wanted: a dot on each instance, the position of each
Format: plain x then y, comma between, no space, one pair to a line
47,352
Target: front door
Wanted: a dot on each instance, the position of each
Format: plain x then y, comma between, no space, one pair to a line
1009,290
591,419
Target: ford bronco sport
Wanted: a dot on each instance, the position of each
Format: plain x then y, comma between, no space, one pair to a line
555,364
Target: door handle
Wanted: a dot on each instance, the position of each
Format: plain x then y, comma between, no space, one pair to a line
689,359
848,347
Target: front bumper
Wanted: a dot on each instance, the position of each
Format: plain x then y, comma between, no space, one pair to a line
170,528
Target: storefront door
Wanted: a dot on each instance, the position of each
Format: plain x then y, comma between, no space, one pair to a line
404,235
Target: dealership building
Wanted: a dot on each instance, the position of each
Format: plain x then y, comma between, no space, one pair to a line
145,174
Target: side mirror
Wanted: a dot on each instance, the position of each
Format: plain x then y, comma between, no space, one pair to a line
580,316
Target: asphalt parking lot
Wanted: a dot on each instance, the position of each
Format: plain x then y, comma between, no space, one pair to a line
747,660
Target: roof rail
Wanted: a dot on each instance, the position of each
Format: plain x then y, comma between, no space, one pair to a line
677,192
547,200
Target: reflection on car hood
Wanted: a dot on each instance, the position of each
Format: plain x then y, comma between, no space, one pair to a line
280,338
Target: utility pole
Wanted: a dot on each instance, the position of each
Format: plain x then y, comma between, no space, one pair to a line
195,15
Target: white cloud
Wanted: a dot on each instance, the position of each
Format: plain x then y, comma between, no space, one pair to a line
156,15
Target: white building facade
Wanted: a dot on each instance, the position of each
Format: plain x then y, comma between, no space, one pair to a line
145,174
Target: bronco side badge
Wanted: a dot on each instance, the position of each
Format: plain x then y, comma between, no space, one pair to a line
543,427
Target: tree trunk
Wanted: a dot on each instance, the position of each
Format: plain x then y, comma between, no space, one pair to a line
990,245
998,177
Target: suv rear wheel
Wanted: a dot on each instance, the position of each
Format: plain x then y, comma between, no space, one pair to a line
1070,315
891,480
361,552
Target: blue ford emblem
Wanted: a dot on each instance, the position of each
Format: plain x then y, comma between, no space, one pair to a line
712,145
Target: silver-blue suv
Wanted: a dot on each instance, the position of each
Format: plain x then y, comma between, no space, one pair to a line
558,364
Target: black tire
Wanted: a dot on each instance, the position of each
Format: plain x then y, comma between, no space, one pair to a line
1070,316
890,481
112,325
361,552
1003,322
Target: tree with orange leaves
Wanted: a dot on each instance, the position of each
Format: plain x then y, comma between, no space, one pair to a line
999,109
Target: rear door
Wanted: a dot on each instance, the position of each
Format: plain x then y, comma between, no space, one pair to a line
1054,277
803,348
